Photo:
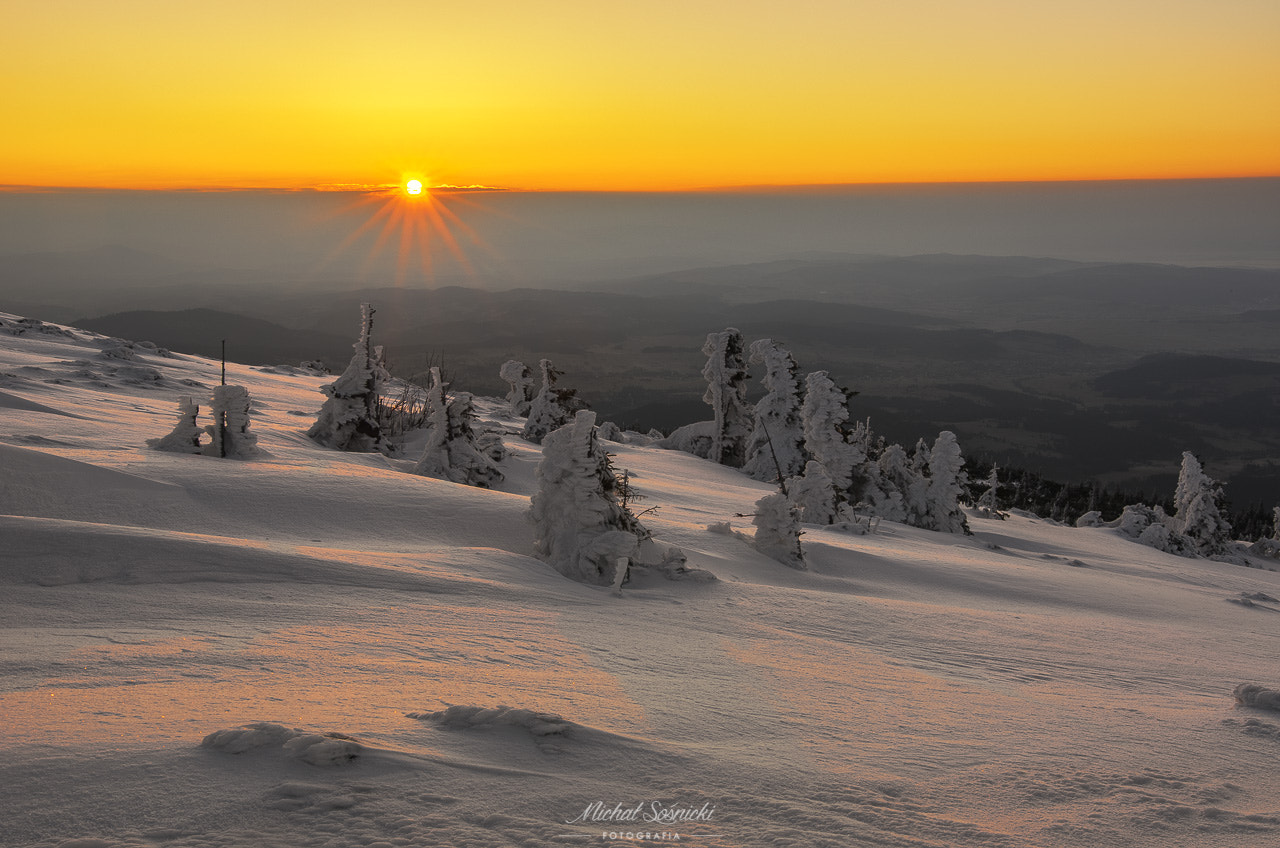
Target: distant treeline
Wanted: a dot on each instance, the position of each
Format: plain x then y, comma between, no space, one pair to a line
1028,490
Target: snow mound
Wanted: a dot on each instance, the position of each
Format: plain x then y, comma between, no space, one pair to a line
1257,696
318,749
483,718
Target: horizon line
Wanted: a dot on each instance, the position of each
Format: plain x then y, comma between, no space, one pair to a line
742,188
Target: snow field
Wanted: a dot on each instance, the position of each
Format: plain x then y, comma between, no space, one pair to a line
1033,685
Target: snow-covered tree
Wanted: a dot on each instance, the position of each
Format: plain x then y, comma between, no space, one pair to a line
580,527
824,416
777,440
230,427
778,530
348,420
451,452
813,494
916,497
520,378
895,480
726,376
1198,509
553,406
989,501
946,485
1269,547
185,437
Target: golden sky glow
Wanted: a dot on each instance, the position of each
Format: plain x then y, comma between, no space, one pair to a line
570,94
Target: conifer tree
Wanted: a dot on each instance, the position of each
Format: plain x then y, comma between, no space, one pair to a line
895,481
814,494
989,501
553,406
778,530
451,452
580,527
520,378
777,440
824,416
1198,509
185,437
348,420
946,485
726,376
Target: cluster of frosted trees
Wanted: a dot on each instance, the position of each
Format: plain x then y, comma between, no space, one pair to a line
583,525
1197,526
229,434
829,469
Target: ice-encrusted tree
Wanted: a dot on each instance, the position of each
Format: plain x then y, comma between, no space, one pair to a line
824,416
894,480
520,378
580,527
230,427
451,452
777,438
553,406
777,523
814,494
1269,547
946,485
185,437
348,420
726,376
989,501
1198,509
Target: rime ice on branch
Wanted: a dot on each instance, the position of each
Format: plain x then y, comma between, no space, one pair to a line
348,420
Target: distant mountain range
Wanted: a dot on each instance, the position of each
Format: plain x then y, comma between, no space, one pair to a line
1034,362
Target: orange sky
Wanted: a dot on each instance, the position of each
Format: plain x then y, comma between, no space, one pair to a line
570,94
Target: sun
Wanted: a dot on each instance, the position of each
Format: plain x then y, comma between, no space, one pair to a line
418,216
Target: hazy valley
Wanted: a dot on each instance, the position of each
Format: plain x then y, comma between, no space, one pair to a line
1081,371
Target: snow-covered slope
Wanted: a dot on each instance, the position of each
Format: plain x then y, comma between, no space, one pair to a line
318,648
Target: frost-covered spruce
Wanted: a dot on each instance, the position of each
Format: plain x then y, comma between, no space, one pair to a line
946,485
451,452
915,499
553,407
778,530
1198,510
580,528
824,415
989,501
726,376
813,494
185,437
348,420
520,378
230,427
895,480
777,439
1269,547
